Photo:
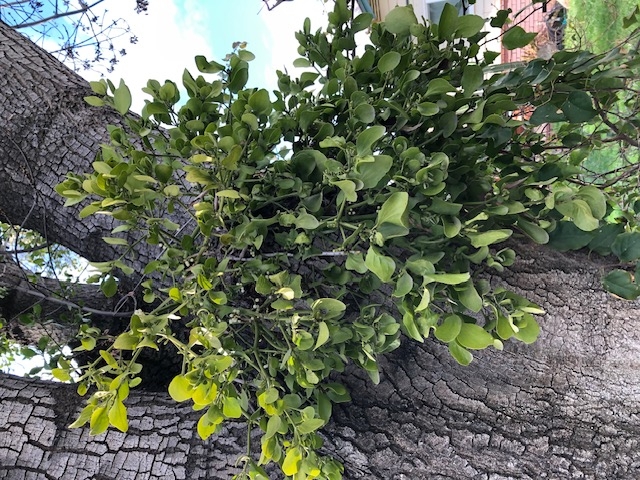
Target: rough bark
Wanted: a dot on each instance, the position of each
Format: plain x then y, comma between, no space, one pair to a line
565,407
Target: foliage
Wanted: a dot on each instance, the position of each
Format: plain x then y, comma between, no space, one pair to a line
600,24
372,195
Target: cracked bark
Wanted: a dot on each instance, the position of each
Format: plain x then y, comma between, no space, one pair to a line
565,407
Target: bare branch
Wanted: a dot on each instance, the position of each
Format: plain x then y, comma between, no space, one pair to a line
40,21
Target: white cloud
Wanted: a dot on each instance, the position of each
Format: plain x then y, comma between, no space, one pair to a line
281,24
168,40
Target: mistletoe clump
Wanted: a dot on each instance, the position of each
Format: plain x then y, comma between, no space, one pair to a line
307,228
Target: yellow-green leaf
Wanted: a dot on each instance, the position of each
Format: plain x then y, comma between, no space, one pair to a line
180,388
292,460
118,416
231,408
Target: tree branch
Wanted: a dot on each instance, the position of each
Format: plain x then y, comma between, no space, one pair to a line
59,15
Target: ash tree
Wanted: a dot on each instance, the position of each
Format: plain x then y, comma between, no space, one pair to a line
271,242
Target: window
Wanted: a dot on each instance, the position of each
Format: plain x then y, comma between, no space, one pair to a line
432,9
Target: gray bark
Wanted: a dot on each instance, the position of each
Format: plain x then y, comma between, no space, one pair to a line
565,407
47,130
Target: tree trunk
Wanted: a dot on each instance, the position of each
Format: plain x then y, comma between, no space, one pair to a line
47,130
564,407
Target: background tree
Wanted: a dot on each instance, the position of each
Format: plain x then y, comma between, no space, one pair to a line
81,34
533,195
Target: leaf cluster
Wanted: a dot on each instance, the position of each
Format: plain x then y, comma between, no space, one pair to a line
367,197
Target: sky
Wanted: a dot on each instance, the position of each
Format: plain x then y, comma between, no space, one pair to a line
173,32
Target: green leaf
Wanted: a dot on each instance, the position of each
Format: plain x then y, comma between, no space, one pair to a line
355,262
273,425
61,374
389,61
94,101
400,20
449,329
443,207
99,87
528,329
238,77
89,210
348,188
370,173
208,67
115,241
365,113
469,297
472,76
447,278
578,107
306,221
301,63
517,37
327,308
231,407
448,22
621,283
246,55
604,238
122,98
626,246
438,86
483,239
428,109
595,199
260,102
533,231
474,337
460,354
393,217
99,421
410,328
118,416
361,22
448,122
206,427
404,285
323,335
180,389
126,341
452,226
226,193
547,113
579,212
424,301
292,460
310,425
567,236
84,417
469,25
381,265
109,286
367,138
